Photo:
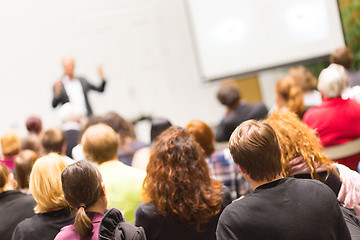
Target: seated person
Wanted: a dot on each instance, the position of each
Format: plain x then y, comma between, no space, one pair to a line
90,205
237,111
183,201
278,208
52,212
15,206
220,162
10,147
23,166
336,120
123,183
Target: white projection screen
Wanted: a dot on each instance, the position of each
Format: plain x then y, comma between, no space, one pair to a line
237,37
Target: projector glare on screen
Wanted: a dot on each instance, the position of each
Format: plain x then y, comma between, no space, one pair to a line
234,37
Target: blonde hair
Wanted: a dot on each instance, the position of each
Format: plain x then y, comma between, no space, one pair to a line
45,183
292,94
297,139
100,143
10,143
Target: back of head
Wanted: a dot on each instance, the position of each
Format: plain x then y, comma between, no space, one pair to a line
100,143
229,96
119,124
31,142
203,134
34,125
291,93
10,143
343,56
303,78
53,140
45,183
4,176
69,113
24,162
82,186
255,147
178,173
297,139
332,81
158,125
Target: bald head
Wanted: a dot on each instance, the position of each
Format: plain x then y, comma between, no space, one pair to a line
68,65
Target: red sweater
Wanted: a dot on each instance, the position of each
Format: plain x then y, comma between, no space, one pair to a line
336,121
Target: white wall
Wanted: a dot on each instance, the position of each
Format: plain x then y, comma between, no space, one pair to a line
144,46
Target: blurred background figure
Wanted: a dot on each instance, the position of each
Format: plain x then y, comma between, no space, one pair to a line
52,212
222,166
10,147
237,111
24,162
337,121
290,96
71,88
15,206
142,156
307,82
34,126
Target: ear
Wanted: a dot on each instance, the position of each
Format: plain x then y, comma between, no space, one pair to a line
103,189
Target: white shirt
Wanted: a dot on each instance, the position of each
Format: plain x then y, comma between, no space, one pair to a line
75,93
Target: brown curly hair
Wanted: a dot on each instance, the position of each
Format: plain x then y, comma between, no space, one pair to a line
297,139
292,94
178,180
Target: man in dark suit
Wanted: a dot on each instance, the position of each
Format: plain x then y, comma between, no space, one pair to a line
71,88
237,111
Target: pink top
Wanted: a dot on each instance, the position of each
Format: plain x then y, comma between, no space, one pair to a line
68,232
8,161
336,121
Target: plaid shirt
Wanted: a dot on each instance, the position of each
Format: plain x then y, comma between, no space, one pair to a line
223,168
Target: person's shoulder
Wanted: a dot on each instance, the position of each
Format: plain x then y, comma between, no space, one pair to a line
67,232
146,212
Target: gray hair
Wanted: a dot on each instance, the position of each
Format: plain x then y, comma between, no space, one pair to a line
332,81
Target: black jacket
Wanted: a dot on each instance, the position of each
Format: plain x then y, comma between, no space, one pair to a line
86,86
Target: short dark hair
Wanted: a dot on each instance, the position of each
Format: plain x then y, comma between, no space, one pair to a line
158,125
254,146
343,56
228,95
53,140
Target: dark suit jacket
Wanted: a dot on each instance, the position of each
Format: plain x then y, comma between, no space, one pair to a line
241,114
86,86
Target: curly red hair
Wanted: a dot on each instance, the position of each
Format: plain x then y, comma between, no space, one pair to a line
178,179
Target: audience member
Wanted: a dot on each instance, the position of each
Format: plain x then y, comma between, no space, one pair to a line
279,208
237,111
128,144
34,125
71,121
10,147
337,121
307,82
15,206
183,201
220,162
290,96
71,88
32,142
53,140
51,207
302,157
345,57
123,183
23,166
142,156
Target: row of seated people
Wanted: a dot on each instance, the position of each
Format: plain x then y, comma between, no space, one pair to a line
175,198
